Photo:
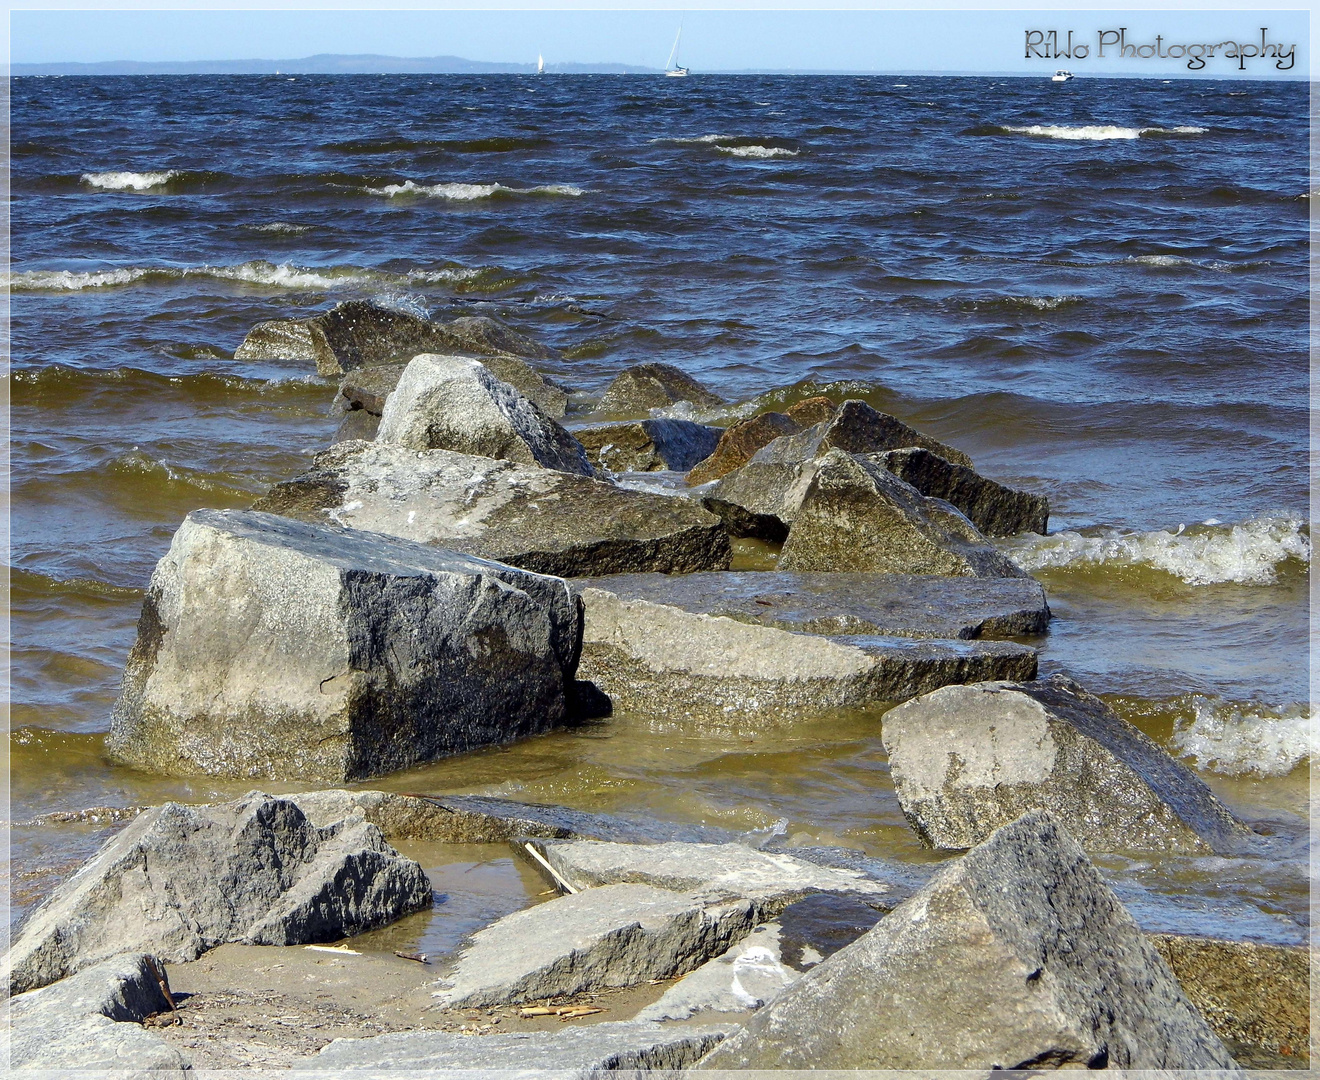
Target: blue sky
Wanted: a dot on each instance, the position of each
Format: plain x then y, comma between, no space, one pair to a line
712,40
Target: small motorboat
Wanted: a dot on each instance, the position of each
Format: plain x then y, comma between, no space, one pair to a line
1062,76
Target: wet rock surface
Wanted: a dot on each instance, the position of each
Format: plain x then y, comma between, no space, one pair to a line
648,445
180,880
739,442
1015,956
966,760
747,976
645,387
539,519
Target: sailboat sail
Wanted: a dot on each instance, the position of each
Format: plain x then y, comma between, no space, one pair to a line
540,64
669,64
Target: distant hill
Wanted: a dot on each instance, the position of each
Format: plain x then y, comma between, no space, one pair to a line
323,64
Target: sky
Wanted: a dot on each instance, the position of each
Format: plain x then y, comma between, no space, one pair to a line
725,40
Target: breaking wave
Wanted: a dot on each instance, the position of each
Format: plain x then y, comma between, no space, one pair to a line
1234,740
1248,553
129,181
471,192
695,140
757,151
1085,132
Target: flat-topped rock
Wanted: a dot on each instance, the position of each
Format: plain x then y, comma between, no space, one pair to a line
455,403
993,508
1016,956
367,388
858,516
639,389
906,605
615,935
659,659
93,1020
627,1048
966,760
648,445
538,519
270,647
180,880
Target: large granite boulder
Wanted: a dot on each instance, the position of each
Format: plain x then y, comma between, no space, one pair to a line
993,508
660,660
269,647
359,333
615,935
966,760
180,880
540,519
637,390
453,403
856,428
1017,956
858,516
903,605
628,1048
93,1021
648,445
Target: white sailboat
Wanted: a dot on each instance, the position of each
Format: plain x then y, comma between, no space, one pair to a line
540,64
670,68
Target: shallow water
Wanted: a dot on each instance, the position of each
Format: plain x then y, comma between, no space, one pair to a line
1097,289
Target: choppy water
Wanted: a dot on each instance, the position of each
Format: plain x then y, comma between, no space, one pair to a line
1097,289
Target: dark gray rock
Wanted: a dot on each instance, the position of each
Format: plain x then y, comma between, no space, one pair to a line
357,424
269,647
993,508
367,388
92,1020
905,605
614,935
855,428
455,403
540,519
183,879
637,390
629,1048
966,760
648,445
1015,956
858,516
485,336
661,660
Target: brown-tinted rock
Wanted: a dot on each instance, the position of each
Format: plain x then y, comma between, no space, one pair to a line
812,410
740,441
638,390
648,445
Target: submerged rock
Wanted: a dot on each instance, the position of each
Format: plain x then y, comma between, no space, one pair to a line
993,508
645,387
453,403
93,1020
269,647
183,879
660,660
540,519
628,1048
905,605
858,516
648,445
1016,956
615,935
968,759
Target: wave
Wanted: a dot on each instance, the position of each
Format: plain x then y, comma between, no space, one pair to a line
1234,740
1248,553
33,582
1037,303
60,386
694,140
1085,132
498,144
470,192
288,227
757,151
129,181
134,464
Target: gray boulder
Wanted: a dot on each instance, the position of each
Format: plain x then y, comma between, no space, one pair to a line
630,1048
905,605
485,336
858,516
648,445
540,519
453,403
639,389
856,428
993,508
661,660
93,1020
357,424
183,879
269,647
616,935
1016,956
750,974
278,339
966,760
367,388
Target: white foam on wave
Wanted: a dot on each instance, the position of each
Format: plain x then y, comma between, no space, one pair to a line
129,181
1098,132
1253,740
757,151
72,280
1248,553
694,140
281,227
470,192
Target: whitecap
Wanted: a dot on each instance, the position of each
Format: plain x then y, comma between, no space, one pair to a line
1098,132
129,181
1240,740
1247,553
757,151
281,227
470,192
693,140
72,280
